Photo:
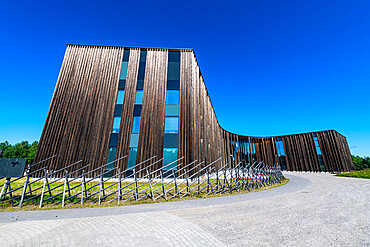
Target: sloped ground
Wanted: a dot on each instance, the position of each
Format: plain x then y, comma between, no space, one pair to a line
311,210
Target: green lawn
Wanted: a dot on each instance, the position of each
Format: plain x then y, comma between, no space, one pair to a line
73,197
356,174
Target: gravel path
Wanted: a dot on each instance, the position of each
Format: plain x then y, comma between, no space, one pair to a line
311,210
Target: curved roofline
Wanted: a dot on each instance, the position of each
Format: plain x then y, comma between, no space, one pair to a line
243,136
201,75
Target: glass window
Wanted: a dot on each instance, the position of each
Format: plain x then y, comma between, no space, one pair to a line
116,123
126,55
134,140
173,84
319,154
111,157
132,158
124,67
140,84
172,111
139,97
143,56
174,56
280,147
173,72
136,124
120,96
171,125
112,154
173,97
170,155
113,140
317,143
141,72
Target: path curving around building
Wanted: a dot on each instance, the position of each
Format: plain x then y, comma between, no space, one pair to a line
313,209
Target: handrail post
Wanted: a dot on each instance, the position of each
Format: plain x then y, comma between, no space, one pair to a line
119,186
24,188
100,184
82,187
64,188
163,186
43,188
150,184
135,179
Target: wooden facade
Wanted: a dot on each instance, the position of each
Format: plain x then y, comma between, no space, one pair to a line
80,118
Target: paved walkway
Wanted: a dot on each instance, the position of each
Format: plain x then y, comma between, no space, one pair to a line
311,210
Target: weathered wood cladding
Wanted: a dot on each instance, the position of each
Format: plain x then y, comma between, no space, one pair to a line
125,128
300,151
199,132
153,109
80,118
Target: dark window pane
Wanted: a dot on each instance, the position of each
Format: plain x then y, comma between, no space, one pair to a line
132,158
141,73
112,154
137,110
171,140
126,55
173,84
118,110
140,85
173,71
143,56
169,155
113,140
122,84
108,172
174,56
136,125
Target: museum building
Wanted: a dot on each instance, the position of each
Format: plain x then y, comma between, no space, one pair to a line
138,103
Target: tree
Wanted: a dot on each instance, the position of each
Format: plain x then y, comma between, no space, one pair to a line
32,150
19,150
360,163
367,162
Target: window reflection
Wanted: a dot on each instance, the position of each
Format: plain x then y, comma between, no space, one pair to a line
172,97
116,124
170,155
136,124
120,96
318,151
132,158
139,97
171,125
123,74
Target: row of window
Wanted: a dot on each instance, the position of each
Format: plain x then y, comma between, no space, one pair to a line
171,130
134,138
118,111
171,123
318,151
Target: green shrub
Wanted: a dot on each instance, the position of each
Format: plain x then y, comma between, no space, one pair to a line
356,174
361,163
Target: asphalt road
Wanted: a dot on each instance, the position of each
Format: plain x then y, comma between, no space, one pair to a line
311,210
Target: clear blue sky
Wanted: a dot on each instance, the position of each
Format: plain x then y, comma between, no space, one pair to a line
271,67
